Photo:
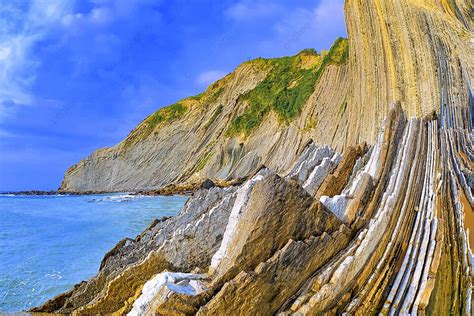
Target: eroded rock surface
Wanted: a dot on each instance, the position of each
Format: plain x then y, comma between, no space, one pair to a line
361,204
269,246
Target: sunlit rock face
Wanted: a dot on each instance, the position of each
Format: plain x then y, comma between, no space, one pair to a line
417,52
376,234
372,216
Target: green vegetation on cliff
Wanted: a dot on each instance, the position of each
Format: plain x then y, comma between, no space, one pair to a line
285,90
175,112
167,114
339,52
287,87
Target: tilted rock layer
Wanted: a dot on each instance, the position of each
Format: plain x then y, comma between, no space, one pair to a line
356,181
379,229
418,52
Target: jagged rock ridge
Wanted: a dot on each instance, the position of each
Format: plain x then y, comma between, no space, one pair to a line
331,225
379,229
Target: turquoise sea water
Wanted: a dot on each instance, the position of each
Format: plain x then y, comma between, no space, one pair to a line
50,243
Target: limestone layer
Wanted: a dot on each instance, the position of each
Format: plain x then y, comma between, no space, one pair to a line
418,52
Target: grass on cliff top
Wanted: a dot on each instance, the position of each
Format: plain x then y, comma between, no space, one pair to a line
174,112
164,115
287,87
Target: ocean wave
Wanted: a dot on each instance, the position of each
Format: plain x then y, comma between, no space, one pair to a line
116,198
32,195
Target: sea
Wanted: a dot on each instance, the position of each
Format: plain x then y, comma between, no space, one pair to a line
50,243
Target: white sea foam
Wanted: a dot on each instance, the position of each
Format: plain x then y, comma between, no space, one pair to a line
117,198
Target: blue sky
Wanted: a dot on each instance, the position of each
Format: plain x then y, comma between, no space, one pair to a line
77,75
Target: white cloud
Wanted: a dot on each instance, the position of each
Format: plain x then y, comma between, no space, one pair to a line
315,27
125,8
329,14
6,134
289,27
5,52
22,27
251,10
98,16
208,77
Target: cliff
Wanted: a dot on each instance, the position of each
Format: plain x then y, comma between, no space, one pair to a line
379,229
365,203
264,113
418,52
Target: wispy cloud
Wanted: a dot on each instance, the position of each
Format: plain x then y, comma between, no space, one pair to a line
291,26
6,134
97,16
329,15
208,77
319,25
251,10
21,28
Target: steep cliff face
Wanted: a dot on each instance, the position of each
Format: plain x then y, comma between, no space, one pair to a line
380,229
417,52
262,113
332,225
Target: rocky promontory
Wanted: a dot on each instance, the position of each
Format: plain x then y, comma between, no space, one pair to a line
371,230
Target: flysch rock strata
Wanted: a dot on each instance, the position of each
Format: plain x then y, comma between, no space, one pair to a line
418,52
361,205
398,242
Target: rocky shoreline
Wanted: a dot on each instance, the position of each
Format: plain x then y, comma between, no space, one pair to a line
189,188
359,201
324,237
172,189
